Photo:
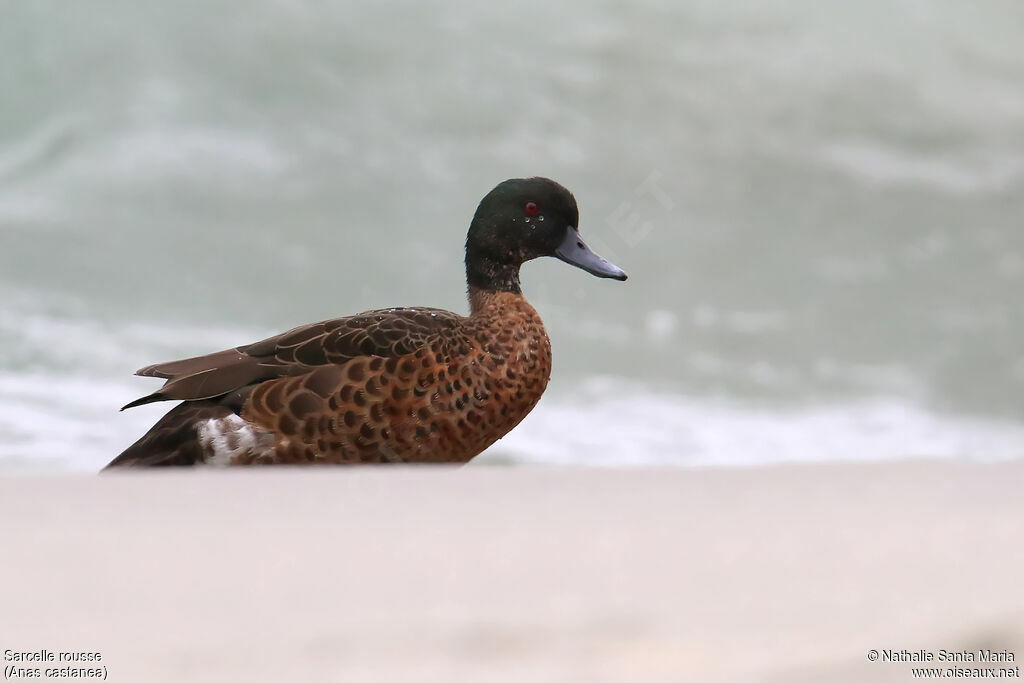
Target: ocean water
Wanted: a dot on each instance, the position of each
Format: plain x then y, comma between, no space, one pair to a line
819,205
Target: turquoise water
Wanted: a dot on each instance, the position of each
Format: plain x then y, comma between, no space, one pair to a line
819,205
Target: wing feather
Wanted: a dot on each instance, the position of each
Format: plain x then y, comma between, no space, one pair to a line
387,333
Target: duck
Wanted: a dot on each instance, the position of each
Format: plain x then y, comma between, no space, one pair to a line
396,385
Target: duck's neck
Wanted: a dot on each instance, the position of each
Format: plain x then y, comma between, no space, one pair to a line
486,273
485,303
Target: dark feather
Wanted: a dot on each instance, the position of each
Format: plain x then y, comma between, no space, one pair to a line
387,333
173,440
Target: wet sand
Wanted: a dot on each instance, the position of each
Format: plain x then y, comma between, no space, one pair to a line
516,574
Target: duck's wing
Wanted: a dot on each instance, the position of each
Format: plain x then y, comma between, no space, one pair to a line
387,333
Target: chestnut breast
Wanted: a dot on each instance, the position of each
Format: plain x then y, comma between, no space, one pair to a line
445,402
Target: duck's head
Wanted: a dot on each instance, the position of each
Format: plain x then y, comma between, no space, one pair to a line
522,219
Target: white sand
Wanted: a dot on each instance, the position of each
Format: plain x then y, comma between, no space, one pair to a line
787,574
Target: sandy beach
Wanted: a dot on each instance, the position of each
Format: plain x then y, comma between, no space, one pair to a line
516,574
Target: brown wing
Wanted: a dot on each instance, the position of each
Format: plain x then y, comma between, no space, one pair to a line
387,333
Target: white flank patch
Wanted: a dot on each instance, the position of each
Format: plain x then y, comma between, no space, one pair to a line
224,438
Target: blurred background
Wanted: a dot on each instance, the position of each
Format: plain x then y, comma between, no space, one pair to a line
818,203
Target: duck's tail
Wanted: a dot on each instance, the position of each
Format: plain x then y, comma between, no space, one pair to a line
174,440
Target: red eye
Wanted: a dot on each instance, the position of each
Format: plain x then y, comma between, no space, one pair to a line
531,208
